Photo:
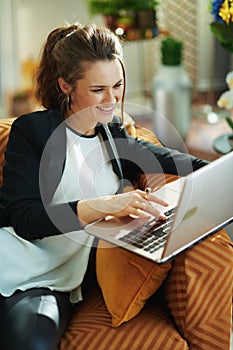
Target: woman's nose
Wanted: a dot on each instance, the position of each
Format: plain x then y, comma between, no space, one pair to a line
110,97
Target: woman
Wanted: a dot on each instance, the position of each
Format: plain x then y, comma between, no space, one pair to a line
66,166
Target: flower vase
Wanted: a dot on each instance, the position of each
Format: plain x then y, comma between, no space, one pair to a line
171,96
230,141
224,143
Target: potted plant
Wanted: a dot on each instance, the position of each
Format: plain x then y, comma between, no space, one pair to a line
103,7
20,103
109,9
171,84
118,10
146,13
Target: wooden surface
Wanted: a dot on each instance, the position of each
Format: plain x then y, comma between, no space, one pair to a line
201,136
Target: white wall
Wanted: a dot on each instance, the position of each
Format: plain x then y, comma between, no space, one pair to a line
9,72
37,18
206,47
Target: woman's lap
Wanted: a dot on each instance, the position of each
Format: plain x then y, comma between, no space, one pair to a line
198,293
35,319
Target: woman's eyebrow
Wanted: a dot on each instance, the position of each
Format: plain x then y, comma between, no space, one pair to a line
96,86
102,86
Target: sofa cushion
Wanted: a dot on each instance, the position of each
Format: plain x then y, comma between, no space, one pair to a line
90,328
126,280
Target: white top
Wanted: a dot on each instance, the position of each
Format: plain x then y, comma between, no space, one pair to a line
60,262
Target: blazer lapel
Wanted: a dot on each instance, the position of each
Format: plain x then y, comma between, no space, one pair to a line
53,158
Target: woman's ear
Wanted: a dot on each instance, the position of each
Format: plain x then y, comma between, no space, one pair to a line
65,87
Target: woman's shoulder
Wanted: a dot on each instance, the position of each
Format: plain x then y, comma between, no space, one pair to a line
40,117
36,127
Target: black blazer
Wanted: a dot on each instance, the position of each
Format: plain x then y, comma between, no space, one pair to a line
35,158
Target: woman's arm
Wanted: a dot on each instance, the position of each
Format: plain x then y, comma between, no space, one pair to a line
24,207
136,203
30,215
139,156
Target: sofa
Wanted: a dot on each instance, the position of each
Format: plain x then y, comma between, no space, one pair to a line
139,319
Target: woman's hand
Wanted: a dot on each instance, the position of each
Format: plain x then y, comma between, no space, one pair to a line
134,203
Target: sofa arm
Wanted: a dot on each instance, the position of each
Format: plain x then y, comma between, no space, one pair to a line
5,126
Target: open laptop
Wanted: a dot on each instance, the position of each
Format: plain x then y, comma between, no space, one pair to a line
199,205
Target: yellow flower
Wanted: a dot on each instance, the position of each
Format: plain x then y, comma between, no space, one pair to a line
226,11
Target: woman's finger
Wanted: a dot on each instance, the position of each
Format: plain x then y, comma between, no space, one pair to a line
155,212
153,198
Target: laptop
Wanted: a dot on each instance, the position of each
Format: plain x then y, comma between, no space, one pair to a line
200,204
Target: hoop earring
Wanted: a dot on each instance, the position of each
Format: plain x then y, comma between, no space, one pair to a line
68,102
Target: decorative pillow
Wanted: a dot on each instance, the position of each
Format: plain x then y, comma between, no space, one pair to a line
126,280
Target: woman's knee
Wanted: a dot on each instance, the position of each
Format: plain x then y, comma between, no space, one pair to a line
33,323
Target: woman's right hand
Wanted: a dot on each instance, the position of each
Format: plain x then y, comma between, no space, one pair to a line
134,203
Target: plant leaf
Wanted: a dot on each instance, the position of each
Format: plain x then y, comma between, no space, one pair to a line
230,122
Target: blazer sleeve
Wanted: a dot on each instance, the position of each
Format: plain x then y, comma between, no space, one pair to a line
139,156
24,208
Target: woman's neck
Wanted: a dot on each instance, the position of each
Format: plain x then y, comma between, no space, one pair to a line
80,123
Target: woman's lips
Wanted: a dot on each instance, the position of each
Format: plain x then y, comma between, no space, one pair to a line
106,110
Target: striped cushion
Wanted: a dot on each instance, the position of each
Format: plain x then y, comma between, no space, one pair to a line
199,293
90,329
5,125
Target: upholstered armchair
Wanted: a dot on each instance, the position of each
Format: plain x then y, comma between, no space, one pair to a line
129,315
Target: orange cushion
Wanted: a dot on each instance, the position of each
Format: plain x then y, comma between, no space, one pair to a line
5,126
90,328
126,280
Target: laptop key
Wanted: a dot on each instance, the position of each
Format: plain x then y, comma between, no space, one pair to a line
150,236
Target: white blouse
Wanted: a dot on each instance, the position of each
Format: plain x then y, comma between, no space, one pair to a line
60,262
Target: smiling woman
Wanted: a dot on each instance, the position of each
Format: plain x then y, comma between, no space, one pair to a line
102,88
67,166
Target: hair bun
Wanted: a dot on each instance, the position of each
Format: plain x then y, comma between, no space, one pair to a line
61,33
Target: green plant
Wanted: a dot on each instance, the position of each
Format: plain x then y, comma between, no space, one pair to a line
222,25
104,7
113,7
171,50
145,4
21,95
229,122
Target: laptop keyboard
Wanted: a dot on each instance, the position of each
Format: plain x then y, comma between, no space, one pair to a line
152,235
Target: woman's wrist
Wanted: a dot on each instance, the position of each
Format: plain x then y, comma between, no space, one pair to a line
91,210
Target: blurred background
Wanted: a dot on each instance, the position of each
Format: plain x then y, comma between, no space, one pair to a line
26,23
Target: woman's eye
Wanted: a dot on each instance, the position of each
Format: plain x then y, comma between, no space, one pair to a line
118,85
97,90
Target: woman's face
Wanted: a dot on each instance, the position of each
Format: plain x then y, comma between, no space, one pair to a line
101,88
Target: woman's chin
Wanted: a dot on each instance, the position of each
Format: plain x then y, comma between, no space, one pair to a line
105,119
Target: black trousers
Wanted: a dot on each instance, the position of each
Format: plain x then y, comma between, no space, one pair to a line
33,320
37,318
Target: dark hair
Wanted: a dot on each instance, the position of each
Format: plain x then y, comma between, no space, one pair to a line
66,54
